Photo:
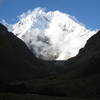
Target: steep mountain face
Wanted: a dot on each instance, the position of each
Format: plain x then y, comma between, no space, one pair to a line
51,35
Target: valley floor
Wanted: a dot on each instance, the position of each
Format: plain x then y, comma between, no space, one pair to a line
12,96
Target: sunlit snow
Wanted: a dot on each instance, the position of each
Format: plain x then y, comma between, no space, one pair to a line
51,35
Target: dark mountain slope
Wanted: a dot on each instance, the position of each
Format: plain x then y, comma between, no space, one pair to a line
87,62
30,78
81,77
16,60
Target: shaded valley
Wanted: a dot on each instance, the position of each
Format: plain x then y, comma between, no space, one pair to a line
25,77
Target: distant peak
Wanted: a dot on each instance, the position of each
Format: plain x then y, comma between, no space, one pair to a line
51,35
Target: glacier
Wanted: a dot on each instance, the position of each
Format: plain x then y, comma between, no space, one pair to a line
51,35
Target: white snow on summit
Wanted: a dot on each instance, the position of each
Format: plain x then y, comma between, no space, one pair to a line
51,35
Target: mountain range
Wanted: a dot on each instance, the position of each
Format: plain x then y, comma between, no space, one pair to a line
51,35
49,56
25,77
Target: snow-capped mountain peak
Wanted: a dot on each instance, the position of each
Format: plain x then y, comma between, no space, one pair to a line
51,35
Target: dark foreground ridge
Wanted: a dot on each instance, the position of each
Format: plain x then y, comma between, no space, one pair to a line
24,77
16,60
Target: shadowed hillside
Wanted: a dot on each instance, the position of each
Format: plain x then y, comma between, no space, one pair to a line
24,77
16,60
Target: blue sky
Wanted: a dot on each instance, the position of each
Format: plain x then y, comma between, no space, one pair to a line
86,11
